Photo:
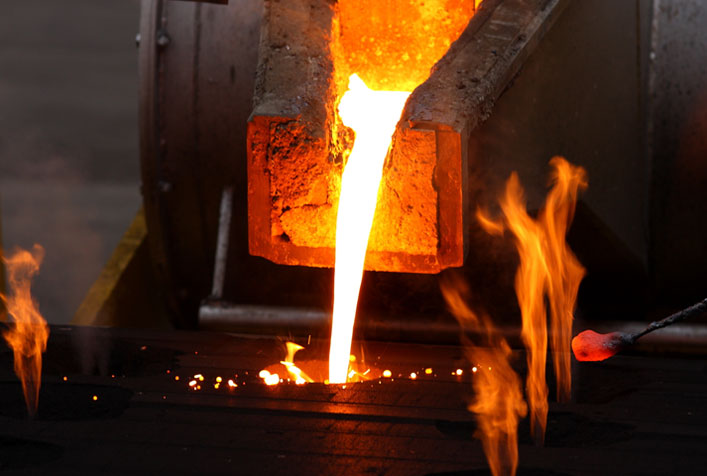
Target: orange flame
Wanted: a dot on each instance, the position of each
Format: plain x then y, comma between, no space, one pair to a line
297,374
566,272
28,337
373,116
498,402
547,267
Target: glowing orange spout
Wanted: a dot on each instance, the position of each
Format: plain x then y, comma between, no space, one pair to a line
28,336
373,116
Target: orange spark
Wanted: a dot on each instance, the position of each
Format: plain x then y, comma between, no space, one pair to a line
28,336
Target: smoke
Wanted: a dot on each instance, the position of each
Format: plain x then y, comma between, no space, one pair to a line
77,221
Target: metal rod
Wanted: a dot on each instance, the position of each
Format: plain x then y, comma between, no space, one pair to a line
224,227
291,321
694,310
219,316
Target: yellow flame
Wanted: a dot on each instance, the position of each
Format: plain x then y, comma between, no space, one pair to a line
297,374
28,337
530,288
566,272
547,267
498,398
373,116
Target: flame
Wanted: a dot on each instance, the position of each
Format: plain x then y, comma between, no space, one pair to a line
297,374
28,337
565,270
547,267
498,403
373,116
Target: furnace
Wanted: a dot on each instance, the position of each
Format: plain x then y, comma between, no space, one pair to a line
421,327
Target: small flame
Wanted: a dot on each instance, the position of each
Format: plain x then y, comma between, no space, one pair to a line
297,374
28,337
547,267
566,272
498,403
373,116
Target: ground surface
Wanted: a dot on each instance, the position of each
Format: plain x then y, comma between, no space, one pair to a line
630,415
69,165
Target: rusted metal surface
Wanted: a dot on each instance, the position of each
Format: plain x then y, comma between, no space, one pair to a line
292,162
420,223
465,84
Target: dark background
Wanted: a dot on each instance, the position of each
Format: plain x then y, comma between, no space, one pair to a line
69,165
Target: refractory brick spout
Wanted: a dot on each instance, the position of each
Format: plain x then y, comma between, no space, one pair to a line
297,144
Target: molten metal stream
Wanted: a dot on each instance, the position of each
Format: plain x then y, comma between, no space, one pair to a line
373,116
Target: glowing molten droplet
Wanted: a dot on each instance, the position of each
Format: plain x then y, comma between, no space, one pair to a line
373,116
459,372
589,346
268,378
29,333
428,371
387,373
95,397
413,375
